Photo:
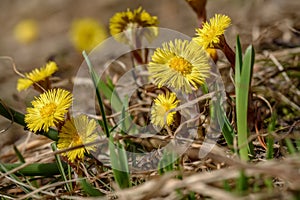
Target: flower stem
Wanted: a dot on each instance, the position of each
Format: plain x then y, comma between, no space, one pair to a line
230,55
11,114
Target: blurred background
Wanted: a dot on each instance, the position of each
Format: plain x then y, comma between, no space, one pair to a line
268,24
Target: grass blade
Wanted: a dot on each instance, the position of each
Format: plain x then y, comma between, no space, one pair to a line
242,183
61,168
290,146
89,189
227,129
19,155
7,167
95,80
270,138
166,164
107,90
119,164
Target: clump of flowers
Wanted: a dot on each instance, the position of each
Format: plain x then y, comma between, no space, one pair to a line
48,110
26,31
180,65
40,76
75,132
87,33
130,21
160,115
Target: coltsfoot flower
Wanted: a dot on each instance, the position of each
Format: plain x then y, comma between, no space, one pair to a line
48,110
26,31
210,34
130,20
87,33
77,131
179,65
162,105
37,76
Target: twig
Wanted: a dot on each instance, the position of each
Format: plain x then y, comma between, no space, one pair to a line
41,189
19,73
284,74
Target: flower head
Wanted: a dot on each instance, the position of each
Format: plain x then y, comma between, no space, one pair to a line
26,31
160,114
209,35
37,76
48,109
75,132
87,33
180,65
129,20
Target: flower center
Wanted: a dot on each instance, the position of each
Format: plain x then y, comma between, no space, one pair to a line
48,110
167,107
181,65
77,140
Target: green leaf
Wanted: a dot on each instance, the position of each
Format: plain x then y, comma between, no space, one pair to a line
123,121
239,56
243,75
270,138
119,163
166,164
269,184
96,80
227,129
106,91
290,146
242,183
109,83
248,63
36,169
90,189
226,186
19,155
61,168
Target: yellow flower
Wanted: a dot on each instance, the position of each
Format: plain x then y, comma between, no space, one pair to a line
179,65
129,20
75,132
159,112
86,34
209,35
26,31
48,109
37,76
